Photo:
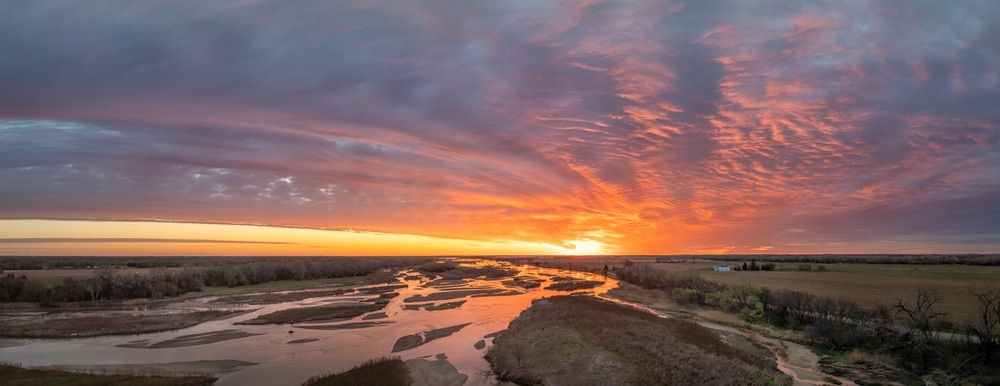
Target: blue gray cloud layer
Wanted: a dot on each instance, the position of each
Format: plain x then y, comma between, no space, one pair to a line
657,127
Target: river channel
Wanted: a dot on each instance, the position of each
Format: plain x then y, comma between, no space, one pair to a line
290,354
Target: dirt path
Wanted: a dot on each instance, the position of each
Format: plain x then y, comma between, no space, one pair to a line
795,360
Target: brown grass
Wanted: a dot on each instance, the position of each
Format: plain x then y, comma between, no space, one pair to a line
877,359
868,285
385,371
587,341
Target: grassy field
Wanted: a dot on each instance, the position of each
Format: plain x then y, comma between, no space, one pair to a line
18,376
873,284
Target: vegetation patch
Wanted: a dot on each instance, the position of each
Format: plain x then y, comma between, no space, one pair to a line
587,341
574,285
16,375
48,326
385,371
313,314
525,283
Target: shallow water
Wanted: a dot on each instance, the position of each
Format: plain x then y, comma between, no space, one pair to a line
283,363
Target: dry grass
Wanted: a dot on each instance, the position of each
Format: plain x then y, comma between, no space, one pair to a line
875,359
586,341
385,371
721,317
870,285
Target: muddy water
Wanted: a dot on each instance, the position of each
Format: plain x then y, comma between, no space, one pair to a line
281,361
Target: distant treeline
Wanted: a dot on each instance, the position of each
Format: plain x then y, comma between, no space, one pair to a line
908,328
963,259
89,262
167,279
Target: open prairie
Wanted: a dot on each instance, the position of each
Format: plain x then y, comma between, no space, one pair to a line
871,284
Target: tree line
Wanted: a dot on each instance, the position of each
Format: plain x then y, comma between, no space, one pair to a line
110,284
930,259
908,328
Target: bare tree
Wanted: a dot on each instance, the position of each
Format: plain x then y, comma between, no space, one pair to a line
923,315
987,325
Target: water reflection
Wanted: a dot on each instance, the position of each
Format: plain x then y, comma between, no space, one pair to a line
452,313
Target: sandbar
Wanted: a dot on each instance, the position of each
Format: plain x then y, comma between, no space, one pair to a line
439,372
185,368
375,315
190,340
343,326
10,343
416,340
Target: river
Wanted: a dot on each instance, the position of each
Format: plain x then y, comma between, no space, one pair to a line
280,360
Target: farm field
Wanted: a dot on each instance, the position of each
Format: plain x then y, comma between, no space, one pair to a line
872,284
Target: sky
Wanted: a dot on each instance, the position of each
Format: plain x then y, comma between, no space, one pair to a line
320,127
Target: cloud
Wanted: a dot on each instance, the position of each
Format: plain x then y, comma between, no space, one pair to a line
74,240
658,127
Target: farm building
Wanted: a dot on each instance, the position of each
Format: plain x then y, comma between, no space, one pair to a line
721,268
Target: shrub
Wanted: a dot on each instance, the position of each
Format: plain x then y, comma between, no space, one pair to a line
384,371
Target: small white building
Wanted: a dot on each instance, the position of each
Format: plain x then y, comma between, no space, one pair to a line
721,268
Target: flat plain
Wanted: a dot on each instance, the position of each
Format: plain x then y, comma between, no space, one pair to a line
870,285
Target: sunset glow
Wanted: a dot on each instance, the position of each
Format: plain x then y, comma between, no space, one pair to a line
578,128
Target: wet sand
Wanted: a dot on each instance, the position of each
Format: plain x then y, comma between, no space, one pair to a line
439,372
447,295
343,326
11,343
375,315
190,340
432,307
178,368
416,340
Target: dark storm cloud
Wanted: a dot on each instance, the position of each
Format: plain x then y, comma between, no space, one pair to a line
657,127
